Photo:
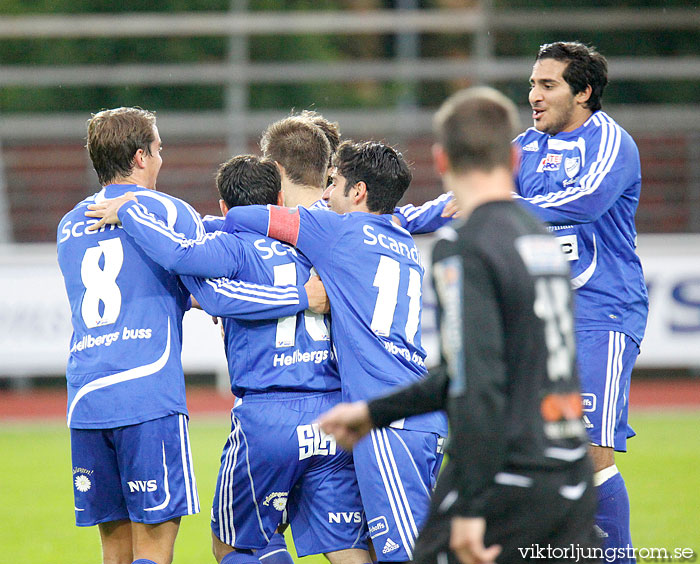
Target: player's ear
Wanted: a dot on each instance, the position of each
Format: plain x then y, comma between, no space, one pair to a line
440,161
360,189
583,96
223,207
139,159
280,198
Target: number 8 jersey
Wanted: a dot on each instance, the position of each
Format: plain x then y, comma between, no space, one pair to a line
124,365
373,275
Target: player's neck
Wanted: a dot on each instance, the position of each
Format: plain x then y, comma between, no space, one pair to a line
132,179
478,187
579,117
362,207
298,195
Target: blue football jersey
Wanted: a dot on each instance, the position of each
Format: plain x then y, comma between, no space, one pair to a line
124,363
271,342
213,223
373,275
426,218
586,184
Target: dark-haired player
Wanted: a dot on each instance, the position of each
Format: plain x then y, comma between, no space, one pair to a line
373,275
518,478
580,173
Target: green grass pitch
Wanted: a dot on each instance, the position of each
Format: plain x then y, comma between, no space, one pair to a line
662,471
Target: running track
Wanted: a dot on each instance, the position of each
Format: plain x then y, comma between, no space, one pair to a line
51,404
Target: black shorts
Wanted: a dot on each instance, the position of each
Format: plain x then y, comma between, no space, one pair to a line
537,523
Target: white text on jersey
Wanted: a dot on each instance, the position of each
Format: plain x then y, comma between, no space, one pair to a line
79,228
390,243
273,248
88,341
297,356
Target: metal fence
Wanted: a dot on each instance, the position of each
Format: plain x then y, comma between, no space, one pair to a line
52,142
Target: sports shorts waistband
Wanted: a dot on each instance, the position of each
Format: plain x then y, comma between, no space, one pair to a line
284,395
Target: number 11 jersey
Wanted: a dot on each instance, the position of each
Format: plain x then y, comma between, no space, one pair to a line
373,274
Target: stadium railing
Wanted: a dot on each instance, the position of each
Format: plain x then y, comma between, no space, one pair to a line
44,169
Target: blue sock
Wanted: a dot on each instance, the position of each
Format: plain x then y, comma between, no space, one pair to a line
275,552
143,561
240,557
613,518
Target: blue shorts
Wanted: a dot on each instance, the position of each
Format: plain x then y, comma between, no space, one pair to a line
140,472
605,362
396,471
277,464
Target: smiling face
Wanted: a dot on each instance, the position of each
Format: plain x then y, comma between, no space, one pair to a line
554,107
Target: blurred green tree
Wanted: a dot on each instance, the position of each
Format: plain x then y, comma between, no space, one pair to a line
322,47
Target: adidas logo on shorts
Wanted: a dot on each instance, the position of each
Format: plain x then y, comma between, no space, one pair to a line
389,546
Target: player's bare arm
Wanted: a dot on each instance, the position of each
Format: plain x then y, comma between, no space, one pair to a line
347,422
316,292
467,541
107,211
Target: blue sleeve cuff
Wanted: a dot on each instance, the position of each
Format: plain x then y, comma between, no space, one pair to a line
303,298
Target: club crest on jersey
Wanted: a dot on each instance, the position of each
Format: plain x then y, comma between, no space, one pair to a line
572,166
550,163
278,499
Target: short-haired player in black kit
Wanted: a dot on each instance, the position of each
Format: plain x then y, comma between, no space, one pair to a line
518,483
